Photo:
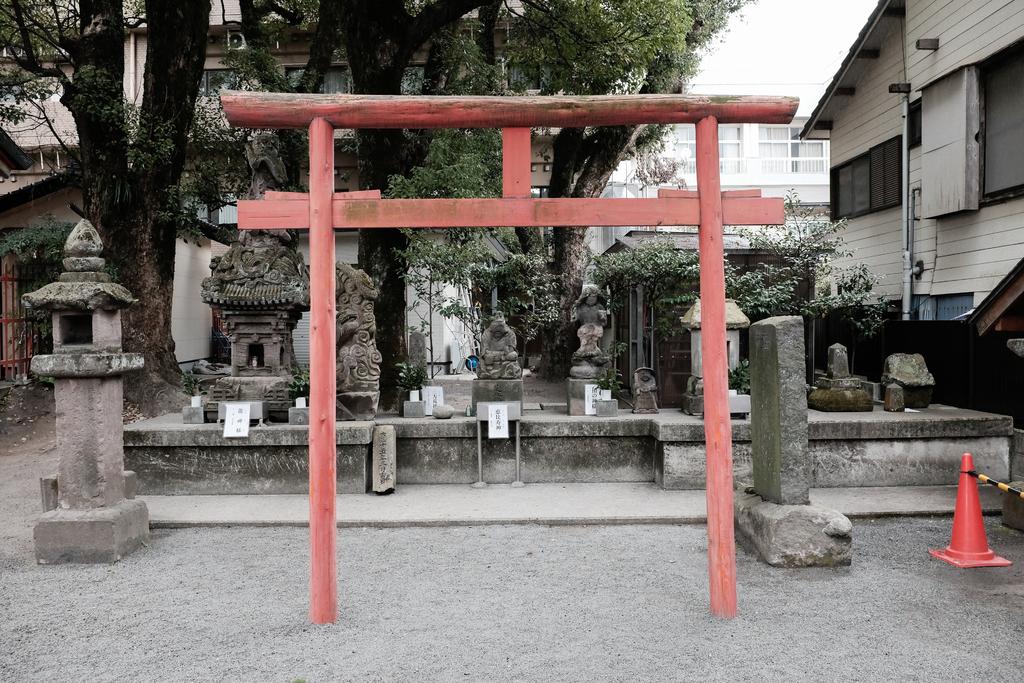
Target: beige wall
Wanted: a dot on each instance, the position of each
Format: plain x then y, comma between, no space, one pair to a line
191,319
967,252
54,205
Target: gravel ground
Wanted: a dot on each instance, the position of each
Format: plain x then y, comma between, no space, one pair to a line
511,603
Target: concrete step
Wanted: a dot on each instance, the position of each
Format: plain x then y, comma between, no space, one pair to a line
552,504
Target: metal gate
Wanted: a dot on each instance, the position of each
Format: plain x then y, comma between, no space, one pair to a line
20,336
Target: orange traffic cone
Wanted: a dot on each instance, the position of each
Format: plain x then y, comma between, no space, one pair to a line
969,547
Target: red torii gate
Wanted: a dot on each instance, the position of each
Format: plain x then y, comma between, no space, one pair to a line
321,211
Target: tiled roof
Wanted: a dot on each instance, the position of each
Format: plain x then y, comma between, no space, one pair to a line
46,125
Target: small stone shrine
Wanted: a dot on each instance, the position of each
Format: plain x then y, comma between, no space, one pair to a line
94,521
499,377
590,361
838,391
735,320
358,358
908,370
645,391
261,287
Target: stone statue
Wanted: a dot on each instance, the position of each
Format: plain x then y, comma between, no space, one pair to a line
499,353
590,361
838,391
358,358
645,388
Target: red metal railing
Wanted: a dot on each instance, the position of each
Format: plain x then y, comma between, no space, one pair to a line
20,336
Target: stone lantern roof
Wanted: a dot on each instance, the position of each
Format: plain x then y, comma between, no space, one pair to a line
735,319
82,286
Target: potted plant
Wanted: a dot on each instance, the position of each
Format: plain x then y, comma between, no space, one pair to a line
610,385
739,389
411,379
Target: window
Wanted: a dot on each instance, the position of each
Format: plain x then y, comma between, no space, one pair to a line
215,80
915,123
1004,123
730,148
871,182
336,79
539,192
782,151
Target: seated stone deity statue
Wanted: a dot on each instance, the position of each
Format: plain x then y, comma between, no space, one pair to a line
499,353
590,360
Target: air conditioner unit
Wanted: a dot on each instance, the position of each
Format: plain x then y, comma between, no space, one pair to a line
235,40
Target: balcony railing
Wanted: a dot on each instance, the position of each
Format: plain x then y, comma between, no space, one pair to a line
794,165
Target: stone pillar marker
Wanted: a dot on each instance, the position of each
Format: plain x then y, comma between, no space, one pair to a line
384,464
94,521
778,419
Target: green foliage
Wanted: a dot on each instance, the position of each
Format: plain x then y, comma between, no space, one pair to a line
610,381
459,164
299,384
411,377
587,48
40,247
190,384
802,251
739,377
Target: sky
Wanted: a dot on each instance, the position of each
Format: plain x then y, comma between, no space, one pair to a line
783,47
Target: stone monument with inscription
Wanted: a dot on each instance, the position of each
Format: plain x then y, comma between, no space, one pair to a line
590,361
95,520
774,518
358,358
838,391
499,377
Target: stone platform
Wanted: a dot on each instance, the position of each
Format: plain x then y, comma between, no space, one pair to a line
848,450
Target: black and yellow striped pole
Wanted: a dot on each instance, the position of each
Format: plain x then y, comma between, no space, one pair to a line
1005,488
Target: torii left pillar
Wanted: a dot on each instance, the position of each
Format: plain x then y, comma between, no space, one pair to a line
323,585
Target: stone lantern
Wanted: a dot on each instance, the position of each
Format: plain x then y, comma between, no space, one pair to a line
93,520
735,320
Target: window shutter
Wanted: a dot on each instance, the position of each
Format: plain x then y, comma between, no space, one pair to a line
886,166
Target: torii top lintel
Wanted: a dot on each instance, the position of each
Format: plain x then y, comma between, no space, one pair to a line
290,110
515,116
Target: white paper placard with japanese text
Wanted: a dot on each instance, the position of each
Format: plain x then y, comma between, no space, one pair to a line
497,420
236,420
432,396
591,393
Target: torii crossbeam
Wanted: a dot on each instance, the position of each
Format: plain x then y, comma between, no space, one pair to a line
321,211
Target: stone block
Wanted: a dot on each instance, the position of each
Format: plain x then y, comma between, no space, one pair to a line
693,404
1013,507
357,405
894,399
782,466
192,415
910,372
414,409
606,408
443,412
497,391
131,484
298,416
739,404
48,493
793,535
100,535
383,460
576,396
840,400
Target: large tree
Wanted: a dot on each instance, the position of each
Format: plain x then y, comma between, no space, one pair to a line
129,158
620,47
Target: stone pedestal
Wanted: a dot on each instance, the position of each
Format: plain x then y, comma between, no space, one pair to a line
383,462
192,415
357,405
576,397
606,408
497,391
793,535
93,535
778,420
298,416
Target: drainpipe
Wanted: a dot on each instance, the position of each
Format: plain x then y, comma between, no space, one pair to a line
908,244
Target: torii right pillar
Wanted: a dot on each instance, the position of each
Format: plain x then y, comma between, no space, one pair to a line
717,426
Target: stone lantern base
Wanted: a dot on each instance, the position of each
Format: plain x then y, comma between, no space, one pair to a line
100,535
